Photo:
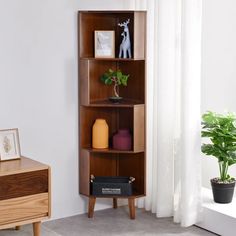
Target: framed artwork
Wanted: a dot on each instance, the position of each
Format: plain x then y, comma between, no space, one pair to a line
104,43
9,144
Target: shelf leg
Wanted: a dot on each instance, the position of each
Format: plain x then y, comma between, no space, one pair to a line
114,203
131,201
37,228
91,205
17,227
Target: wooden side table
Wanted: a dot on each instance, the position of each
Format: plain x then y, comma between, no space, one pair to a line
25,193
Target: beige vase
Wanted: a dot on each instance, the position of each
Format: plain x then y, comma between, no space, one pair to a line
100,134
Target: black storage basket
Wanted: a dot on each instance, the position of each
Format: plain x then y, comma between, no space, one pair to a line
111,186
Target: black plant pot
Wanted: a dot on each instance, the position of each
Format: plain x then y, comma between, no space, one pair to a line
115,99
222,192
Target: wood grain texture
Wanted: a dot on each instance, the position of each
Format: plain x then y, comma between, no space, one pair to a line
103,164
135,90
23,184
92,201
123,103
139,129
131,202
23,222
37,228
84,82
115,203
134,120
21,165
139,34
110,150
133,165
23,208
49,193
84,173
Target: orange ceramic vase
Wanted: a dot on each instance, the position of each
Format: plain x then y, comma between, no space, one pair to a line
100,134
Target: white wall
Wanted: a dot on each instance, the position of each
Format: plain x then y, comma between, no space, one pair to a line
218,66
38,87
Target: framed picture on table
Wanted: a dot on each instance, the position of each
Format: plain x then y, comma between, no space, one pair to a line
9,144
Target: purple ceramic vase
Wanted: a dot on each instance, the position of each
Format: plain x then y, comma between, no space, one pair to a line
122,140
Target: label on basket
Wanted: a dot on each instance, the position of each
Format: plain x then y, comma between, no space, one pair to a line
111,190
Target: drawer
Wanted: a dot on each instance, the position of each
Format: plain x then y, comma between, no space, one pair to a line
23,208
23,184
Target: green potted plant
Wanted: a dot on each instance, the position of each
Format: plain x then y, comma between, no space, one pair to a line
117,78
220,129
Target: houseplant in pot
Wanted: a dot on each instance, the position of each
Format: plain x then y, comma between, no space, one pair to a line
220,129
117,78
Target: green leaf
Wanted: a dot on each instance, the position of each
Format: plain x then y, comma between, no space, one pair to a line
116,77
119,74
110,71
108,81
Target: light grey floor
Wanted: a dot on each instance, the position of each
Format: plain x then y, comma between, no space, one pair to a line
110,222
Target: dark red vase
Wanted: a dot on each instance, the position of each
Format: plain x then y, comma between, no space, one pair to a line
122,140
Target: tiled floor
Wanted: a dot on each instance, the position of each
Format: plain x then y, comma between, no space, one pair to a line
111,222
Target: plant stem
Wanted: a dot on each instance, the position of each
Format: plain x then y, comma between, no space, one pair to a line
220,167
226,169
115,90
223,170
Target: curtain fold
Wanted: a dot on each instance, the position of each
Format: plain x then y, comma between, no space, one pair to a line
173,109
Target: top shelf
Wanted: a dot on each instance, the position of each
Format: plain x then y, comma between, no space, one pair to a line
91,21
111,11
111,59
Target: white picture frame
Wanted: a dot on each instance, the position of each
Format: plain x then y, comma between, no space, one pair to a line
9,144
104,43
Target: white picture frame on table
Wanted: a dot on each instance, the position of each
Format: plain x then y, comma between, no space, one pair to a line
9,144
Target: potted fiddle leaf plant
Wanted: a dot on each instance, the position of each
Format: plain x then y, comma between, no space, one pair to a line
220,129
117,78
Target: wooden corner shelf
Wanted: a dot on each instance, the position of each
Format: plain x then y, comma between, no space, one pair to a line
94,103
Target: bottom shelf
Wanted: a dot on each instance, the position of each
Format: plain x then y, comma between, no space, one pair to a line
112,164
115,196
135,195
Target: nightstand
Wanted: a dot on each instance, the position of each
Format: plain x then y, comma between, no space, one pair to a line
24,193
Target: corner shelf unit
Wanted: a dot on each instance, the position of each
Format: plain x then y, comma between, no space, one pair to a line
93,98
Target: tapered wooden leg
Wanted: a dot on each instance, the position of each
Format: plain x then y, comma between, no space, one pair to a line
37,228
17,228
114,203
131,208
91,205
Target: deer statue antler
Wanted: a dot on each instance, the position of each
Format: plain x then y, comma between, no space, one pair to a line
124,24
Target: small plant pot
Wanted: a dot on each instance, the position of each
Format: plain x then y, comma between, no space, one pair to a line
222,192
115,99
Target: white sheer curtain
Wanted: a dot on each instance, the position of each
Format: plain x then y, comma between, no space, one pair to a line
173,109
